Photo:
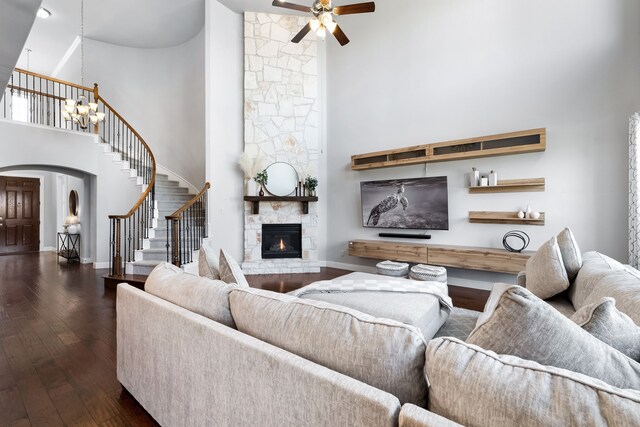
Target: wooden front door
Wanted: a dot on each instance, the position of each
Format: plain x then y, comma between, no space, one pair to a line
19,215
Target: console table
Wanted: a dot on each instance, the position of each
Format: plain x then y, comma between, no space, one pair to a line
468,257
69,246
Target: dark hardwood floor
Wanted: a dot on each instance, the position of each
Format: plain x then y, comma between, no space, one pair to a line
58,343
58,346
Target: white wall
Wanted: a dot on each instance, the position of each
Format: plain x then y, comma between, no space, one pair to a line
224,126
420,72
160,92
106,188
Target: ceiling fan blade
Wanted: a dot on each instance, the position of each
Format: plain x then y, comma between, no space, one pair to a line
303,32
354,8
340,36
292,6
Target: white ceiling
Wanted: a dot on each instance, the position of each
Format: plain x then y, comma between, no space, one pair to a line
266,6
139,23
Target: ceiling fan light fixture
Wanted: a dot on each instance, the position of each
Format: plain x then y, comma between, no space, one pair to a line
315,24
321,32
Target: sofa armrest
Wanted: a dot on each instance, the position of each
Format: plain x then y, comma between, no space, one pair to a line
415,416
521,279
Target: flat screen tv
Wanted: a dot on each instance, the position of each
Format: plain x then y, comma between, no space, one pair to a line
417,203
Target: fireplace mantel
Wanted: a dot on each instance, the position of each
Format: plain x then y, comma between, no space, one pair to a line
255,201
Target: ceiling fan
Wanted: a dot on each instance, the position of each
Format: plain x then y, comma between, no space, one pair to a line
324,17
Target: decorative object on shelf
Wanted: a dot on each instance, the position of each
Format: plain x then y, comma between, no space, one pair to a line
474,180
323,19
262,178
282,179
484,181
250,166
311,183
527,214
493,179
521,214
535,215
80,110
73,229
519,235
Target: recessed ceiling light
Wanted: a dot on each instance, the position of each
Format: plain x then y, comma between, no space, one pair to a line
43,13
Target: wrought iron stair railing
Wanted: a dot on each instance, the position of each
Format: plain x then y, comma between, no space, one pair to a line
186,228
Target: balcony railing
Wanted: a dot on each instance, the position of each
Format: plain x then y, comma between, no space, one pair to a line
186,228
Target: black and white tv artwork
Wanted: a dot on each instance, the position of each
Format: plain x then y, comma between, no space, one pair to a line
417,203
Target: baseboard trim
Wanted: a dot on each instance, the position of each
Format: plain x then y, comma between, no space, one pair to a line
100,265
351,267
48,249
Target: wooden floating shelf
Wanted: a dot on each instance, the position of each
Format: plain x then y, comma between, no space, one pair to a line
484,217
511,186
468,257
527,141
255,201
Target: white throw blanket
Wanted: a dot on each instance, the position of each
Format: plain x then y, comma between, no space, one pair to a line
361,282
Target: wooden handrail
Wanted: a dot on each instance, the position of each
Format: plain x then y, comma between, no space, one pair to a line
177,214
51,79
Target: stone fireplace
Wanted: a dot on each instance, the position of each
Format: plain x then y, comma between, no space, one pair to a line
281,117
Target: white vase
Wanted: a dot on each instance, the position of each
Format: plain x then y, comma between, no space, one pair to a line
252,187
73,229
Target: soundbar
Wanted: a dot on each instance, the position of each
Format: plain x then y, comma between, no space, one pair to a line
406,236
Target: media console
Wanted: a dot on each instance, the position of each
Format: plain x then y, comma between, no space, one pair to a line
467,257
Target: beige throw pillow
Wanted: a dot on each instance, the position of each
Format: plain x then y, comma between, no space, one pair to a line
605,322
476,387
209,298
230,271
380,352
570,251
546,274
517,323
208,264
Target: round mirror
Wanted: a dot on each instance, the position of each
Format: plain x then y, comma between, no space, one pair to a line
73,203
282,179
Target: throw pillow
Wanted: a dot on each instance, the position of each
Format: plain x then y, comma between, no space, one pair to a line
546,275
571,256
380,352
209,298
208,264
474,387
230,271
605,322
518,323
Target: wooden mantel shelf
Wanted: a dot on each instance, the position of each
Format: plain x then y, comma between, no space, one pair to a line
255,201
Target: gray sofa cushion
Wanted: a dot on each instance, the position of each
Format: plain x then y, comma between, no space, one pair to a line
601,276
570,251
414,416
383,353
546,275
605,322
230,271
209,298
518,323
476,387
208,264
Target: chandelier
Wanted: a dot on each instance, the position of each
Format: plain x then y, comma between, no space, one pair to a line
79,110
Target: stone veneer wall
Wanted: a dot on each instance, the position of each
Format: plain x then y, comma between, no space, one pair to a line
281,114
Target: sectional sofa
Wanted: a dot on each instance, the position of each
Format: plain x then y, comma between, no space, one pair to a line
196,352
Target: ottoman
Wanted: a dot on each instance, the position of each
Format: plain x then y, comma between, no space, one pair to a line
429,273
422,311
392,268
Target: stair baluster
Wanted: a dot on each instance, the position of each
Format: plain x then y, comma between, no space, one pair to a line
186,228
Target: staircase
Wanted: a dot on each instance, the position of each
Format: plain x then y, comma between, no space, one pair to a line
170,197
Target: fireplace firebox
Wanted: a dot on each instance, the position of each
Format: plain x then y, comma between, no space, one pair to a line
281,241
